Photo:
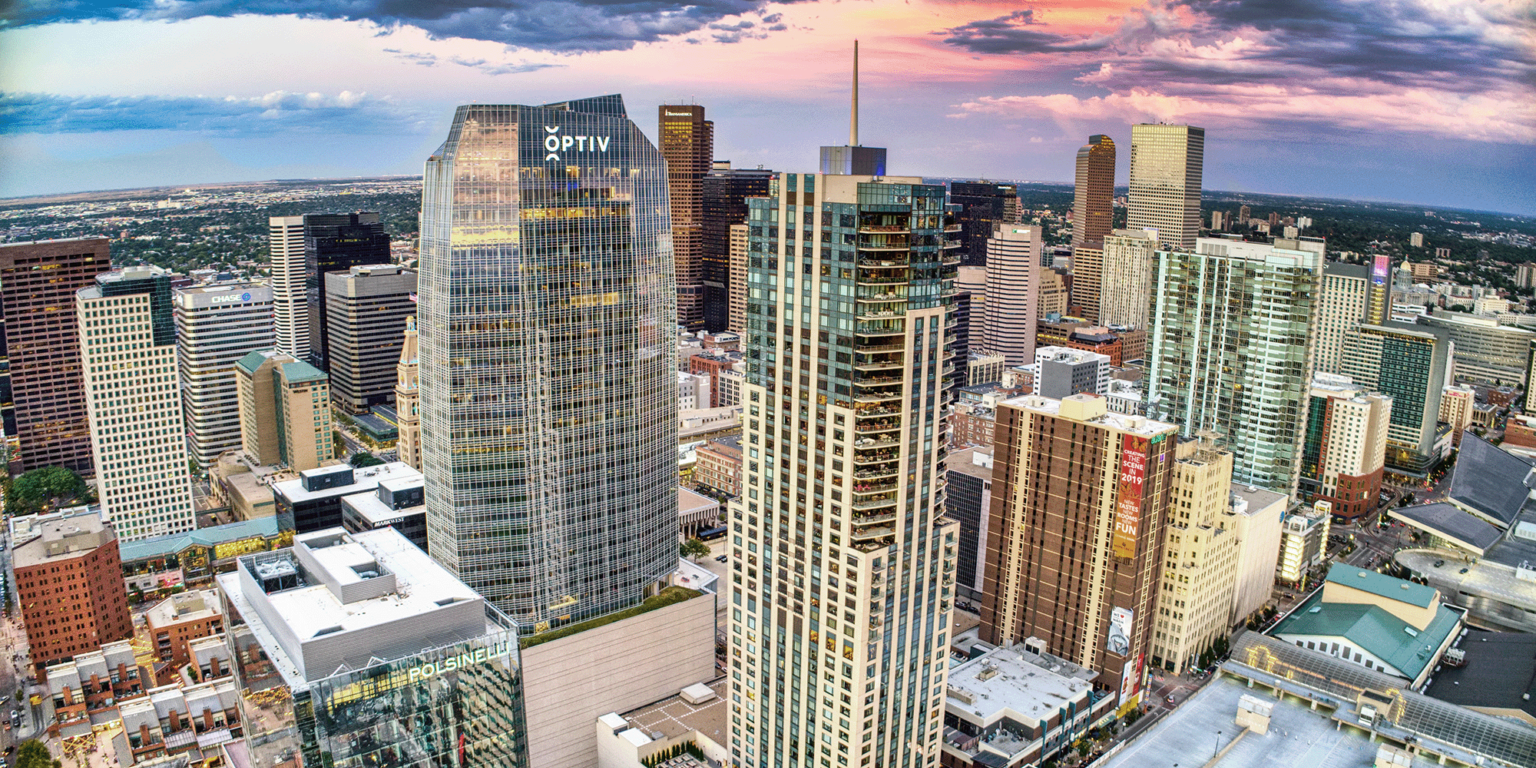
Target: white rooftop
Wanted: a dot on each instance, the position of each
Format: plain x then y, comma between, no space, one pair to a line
365,479
1033,685
374,510
1091,409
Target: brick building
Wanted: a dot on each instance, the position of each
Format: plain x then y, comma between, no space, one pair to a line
69,582
710,364
177,621
718,465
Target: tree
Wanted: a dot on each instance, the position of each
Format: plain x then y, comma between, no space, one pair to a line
46,488
32,754
693,549
364,459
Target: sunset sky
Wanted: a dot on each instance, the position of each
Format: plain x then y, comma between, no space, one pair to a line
1428,101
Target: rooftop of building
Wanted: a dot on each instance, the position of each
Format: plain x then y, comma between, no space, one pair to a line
63,538
1259,499
1489,482
1031,684
298,372
965,462
24,528
159,546
187,606
1091,409
1373,629
675,716
689,502
731,443
1345,269
363,479
222,286
1068,355
253,360
375,511
1499,672
1381,585
1450,522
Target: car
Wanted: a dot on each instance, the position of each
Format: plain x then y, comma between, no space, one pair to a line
1464,570
1170,698
1439,563
721,559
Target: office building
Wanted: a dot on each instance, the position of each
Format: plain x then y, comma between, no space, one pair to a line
1126,278
725,191
1166,168
396,502
1093,196
42,391
1078,570
1303,542
216,325
285,411
1486,351
1393,626
1087,282
133,396
1456,406
1231,332
1345,446
408,398
1055,292
290,311
740,239
1352,294
1199,573
875,413
1256,517
1412,364
335,242
586,311
360,648
1060,371
968,501
718,466
985,369
1013,293
1219,221
313,501
69,586
687,144
366,311
984,206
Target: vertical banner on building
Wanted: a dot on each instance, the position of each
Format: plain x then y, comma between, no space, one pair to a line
1381,269
1133,475
1130,679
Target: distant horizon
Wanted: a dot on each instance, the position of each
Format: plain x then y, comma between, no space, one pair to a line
1119,188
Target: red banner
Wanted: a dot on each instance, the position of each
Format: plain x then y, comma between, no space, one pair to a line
1133,476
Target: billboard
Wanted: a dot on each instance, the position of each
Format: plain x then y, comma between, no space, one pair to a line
1381,269
1130,679
1133,475
1120,628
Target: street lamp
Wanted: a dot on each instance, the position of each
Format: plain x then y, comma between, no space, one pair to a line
1217,747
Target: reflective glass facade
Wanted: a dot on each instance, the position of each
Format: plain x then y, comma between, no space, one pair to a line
547,359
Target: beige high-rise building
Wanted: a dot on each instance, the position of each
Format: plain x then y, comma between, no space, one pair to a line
1255,516
290,298
687,142
216,325
1125,296
1088,282
1054,296
408,399
1340,310
973,280
1345,445
285,411
1457,403
133,399
1166,169
738,280
1093,197
847,563
1013,293
1200,557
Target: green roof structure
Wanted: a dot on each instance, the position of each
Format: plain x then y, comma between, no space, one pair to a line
1381,585
299,372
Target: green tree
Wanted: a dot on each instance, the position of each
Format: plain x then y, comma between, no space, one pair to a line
46,488
32,754
693,548
364,459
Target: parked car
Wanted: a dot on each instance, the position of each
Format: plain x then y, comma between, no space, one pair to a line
721,559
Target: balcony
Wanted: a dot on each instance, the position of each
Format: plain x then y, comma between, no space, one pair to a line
876,381
878,397
863,489
868,350
875,263
884,517
876,410
883,314
874,228
880,365
864,506
868,534
881,298
876,474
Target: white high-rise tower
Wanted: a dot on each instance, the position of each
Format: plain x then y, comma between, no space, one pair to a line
290,310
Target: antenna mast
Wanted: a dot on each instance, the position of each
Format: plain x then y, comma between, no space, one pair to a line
853,128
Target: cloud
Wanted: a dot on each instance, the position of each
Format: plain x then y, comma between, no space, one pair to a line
424,59
501,68
1012,34
272,113
565,26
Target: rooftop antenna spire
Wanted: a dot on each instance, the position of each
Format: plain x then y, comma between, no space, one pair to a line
853,128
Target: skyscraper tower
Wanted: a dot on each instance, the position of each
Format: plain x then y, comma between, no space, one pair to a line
216,325
548,359
290,308
335,242
1013,292
983,206
408,399
42,389
128,348
1166,169
1093,197
688,146
1126,278
855,158
726,190
843,601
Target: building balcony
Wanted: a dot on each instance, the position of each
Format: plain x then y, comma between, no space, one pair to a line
873,228
883,517
877,397
885,246
872,534
881,298
880,365
877,473
878,263
864,489
882,314
871,349
876,381
882,280
872,504
876,410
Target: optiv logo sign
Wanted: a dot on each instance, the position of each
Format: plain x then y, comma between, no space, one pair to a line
556,142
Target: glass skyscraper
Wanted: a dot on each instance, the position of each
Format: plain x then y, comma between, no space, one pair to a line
547,359
1167,163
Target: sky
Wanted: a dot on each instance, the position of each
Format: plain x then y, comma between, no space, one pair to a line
1423,101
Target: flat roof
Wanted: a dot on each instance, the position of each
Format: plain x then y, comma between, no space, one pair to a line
375,511
964,462
1450,522
1136,425
1259,499
1033,685
673,717
298,372
364,479
61,539
688,501
1499,673
1489,481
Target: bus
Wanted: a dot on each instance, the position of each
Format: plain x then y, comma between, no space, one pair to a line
710,534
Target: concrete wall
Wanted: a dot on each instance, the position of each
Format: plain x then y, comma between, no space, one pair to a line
570,682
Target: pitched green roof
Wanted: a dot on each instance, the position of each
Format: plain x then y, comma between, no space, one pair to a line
1372,629
251,361
1381,585
297,372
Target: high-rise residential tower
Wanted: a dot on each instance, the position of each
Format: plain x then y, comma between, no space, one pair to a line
1075,539
42,393
1201,551
725,192
983,207
1412,364
688,145
1352,294
290,308
366,310
335,242
1013,292
1345,445
1166,170
408,398
1088,282
1231,335
548,359
1093,196
1126,278
216,325
133,396
840,613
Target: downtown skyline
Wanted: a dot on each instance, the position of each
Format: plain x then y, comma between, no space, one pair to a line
1367,101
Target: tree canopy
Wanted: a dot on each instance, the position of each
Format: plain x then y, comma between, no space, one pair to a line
693,548
364,459
32,754
46,488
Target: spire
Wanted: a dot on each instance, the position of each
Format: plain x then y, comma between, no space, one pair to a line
853,128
